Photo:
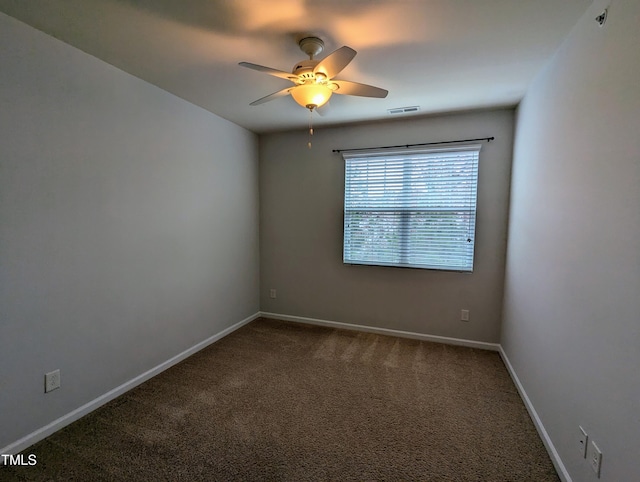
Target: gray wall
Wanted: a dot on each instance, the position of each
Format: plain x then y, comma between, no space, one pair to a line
572,300
128,227
301,215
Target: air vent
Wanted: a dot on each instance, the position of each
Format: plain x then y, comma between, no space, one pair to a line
403,110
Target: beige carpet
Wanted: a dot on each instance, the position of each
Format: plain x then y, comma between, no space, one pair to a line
288,402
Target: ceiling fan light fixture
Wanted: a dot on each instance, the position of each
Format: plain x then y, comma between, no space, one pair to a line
315,80
311,95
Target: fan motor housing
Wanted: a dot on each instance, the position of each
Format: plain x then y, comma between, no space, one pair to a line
304,69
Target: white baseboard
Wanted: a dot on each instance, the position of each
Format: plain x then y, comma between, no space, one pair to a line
80,412
546,440
384,331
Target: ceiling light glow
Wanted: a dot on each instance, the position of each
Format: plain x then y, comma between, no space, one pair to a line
311,95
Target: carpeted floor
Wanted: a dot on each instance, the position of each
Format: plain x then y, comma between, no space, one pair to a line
281,401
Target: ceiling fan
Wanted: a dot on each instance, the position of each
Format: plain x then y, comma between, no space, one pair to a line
314,79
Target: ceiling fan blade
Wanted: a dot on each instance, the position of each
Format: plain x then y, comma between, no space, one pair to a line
270,71
354,88
333,63
275,95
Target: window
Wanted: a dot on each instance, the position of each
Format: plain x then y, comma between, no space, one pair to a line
411,208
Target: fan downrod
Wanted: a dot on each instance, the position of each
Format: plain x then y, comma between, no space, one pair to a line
311,46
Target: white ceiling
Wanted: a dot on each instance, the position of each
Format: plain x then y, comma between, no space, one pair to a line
442,55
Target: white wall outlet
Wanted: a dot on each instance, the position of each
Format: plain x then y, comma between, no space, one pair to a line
582,441
51,381
272,293
595,458
464,315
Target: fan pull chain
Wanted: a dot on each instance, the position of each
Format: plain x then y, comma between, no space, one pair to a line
310,127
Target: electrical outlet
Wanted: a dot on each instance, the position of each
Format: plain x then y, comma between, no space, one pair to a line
584,438
464,315
272,293
51,381
595,458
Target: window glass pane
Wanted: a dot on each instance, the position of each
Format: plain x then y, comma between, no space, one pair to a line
440,239
415,208
373,236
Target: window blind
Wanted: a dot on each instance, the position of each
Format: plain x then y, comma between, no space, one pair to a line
413,208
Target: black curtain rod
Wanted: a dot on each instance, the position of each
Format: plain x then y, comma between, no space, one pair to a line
488,139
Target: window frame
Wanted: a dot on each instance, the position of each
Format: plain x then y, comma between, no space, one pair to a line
408,214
